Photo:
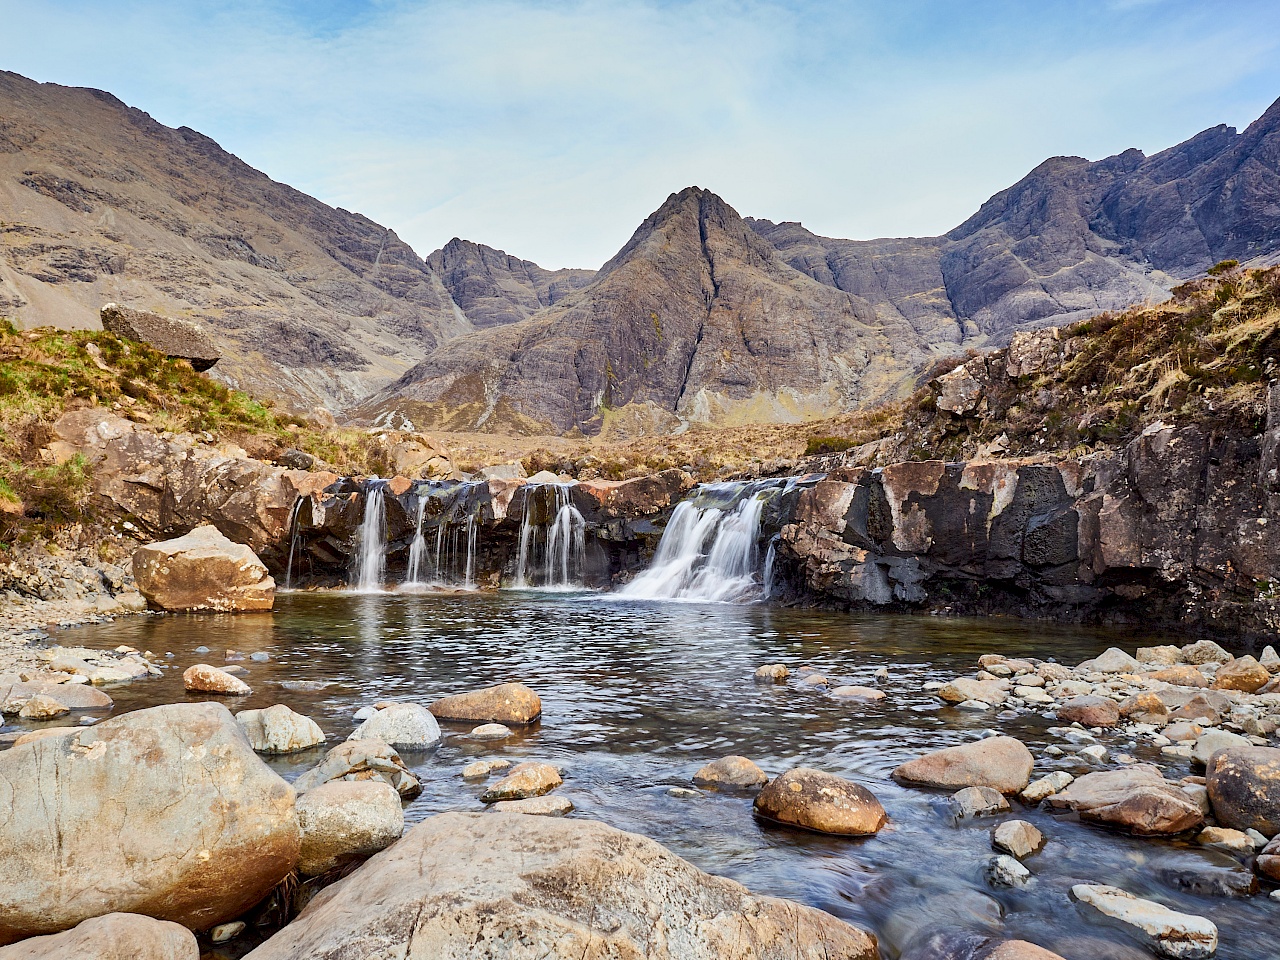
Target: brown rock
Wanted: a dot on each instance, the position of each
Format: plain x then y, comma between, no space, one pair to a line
505,703
1145,708
43,707
1268,862
1020,950
525,780
1198,707
202,678
1090,711
822,802
1244,788
115,936
1002,763
203,571
361,760
994,692
1138,799
731,772
1181,676
1243,673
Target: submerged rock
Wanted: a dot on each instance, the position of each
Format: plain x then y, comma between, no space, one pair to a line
1177,935
978,802
405,726
115,936
820,801
1002,763
345,820
491,731
772,673
202,678
203,571
525,780
278,729
479,769
505,703
735,773
361,760
543,888
1138,799
166,812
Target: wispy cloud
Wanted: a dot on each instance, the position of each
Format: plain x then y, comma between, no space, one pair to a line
551,127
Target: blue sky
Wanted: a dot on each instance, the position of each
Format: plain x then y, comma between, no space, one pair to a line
550,129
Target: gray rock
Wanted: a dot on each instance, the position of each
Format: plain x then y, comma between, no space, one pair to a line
405,726
1180,936
1004,871
344,820
115,936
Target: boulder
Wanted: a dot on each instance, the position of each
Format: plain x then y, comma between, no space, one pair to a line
1145,708
1005,871
542,888
1211,741
1171,934
1017,838
1244,788
202,678
177,339
978,802
1112,660
1204,651
361,760
278,729
203,571
733,773
115,936
505,703
1138,799
1090,711
166,812
405,726
75,696
525,780
1044,787
1243,673
994,692
822,802
1002,763
345,820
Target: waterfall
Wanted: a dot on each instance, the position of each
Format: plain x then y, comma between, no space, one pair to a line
418,547
294,536
553,546
770,558
710,550
455,513
371,539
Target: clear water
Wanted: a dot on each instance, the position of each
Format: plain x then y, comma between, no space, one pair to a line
638,695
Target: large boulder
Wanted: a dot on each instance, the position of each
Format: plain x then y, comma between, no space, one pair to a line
361,760
1244,788
460,886
166,812
116,936
505,703
203,571
180,339
405,726
1138,799
277,729
1002,763
1243,673
820,801
345,820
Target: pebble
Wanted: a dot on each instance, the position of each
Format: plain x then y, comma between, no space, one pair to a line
226,931
1004,871
260,656
684,793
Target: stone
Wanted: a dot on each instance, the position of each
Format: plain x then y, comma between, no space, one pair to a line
344,820
1199,708
277,729
491,731
1138,799
1144,708
1005,871
1209,880
1017,838
361,760
1177,935
479,769
114,936
1181,675
1243,673
180,339
202,678
1244,788
517,887
814,680
509,703
14,696
1002,763
536,806
1165,655
525,780
43,707
46,732
772,673
405,726
959,391
1268,861
735,773
165,811
203,571
1183,730
1089,711
1224,838
1112,660
1046,786
226,932
1270,659
992,692
822,802
850,692
978,802
1096,753
1212,741
1204,651
1020,950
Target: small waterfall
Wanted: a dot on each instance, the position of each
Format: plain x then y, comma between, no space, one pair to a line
371,539
295,535
418,548
770,558
553,545
455,513
710,550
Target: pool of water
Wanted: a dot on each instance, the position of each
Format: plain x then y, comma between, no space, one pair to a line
638,695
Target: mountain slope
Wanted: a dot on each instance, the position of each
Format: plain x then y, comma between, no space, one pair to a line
492,287
99,202
696,317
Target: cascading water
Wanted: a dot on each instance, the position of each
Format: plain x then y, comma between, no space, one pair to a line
295,535
710,550
371,539
553,552
453,562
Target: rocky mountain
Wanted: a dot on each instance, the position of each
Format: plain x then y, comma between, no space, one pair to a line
696,317
99,202
492,287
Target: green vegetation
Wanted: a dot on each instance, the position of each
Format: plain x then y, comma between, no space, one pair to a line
820,445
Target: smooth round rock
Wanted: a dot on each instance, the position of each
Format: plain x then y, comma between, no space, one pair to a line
853,692
1244,788
345,820
278,730
491,731
822,802
1090,711
509,703
114,936
772,673
1002,763
734,773
405,726
202,678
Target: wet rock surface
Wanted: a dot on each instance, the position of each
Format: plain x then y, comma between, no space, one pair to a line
1001,763
822,802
